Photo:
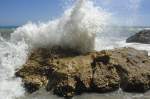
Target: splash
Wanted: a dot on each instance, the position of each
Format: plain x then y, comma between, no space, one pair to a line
11,57
76,29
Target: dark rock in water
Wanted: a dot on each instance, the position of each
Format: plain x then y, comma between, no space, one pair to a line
141,37
67,73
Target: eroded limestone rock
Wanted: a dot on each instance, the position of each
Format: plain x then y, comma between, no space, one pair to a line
68,73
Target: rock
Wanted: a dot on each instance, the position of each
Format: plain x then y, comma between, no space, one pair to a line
68,73
141,37
105,75
133,67
77,73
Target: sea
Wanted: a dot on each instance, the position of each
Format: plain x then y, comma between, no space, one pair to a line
83,27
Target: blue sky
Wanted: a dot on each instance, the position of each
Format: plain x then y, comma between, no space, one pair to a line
18,12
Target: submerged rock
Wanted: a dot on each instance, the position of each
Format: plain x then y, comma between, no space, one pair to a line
68,73
141,37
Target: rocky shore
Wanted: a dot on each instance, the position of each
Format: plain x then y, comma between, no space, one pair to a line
140,37
67,73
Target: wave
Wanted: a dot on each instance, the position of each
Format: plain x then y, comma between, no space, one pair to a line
76,30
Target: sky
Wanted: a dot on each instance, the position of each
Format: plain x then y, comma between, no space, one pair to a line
19,12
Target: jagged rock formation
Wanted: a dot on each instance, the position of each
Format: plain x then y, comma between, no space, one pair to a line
141,37
68,73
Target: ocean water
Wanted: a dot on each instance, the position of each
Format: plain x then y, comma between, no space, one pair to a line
109,40
82,27
114,95
5,31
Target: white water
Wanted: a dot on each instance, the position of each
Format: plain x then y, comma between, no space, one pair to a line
116,37
82,27
76,29
11,57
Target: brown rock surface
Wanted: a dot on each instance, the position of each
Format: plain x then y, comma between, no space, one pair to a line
68,73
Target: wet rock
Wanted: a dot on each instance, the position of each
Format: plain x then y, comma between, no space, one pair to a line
105,76
68,73
141,37
77,73
134,69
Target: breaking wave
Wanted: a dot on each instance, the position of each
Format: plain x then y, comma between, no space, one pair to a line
76,30
83,27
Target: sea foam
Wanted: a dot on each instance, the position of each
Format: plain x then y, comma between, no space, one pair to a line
75,29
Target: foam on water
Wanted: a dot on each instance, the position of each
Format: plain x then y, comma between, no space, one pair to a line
76,29
11,57
115,37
